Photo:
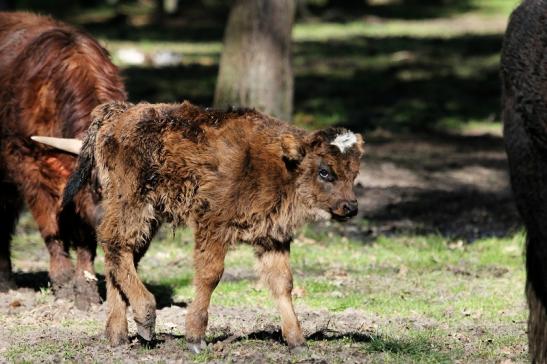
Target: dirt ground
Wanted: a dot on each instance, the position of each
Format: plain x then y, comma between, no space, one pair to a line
457,186
453,185
235,334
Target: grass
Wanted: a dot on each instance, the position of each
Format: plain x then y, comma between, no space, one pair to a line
47,351
430,299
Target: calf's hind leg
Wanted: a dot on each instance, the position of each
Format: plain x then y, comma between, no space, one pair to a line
124,238
116,322
275,270
122,273
209,267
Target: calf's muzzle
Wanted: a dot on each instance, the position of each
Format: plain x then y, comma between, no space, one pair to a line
344,210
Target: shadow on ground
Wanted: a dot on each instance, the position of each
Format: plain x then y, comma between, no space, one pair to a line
39,280
457,187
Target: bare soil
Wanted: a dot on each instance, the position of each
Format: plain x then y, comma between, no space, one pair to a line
38,328
456,186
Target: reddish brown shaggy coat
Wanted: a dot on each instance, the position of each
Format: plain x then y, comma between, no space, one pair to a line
231,176
52,77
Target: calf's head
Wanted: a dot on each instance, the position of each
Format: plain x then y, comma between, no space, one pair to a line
327,170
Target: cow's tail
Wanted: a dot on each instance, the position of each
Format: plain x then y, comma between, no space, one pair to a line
86,160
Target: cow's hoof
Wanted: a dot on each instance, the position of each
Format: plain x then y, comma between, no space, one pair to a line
62,286
63,291
6,284
197,347
86,294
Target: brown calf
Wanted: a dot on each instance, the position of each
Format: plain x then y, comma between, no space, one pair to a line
51,77
235,176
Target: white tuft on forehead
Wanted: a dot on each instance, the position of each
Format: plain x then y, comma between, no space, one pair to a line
344,141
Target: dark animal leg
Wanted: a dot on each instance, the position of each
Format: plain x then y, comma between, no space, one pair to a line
209,267
10,206
276,272
42,196
61,270
85,281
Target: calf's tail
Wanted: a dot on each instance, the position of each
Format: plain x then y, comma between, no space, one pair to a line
86,163
86,159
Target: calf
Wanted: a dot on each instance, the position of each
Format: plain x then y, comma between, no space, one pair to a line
524,75
234,176
51,76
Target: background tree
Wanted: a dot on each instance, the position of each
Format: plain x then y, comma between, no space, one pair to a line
255,66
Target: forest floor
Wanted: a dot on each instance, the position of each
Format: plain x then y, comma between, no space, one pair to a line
430,271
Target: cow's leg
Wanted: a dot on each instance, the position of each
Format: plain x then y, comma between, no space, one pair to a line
209,267
41,183
10,206
77,223
61,271
85,282
276,272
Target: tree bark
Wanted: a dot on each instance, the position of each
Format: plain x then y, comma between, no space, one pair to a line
255,66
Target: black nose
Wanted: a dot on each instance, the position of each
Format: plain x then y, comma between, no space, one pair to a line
350,208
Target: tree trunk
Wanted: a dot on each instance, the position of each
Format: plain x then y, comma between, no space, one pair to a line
255,67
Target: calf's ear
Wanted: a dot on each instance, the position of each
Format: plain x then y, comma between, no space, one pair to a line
314,139
293,150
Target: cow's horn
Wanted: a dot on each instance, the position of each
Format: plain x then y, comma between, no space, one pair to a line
68,145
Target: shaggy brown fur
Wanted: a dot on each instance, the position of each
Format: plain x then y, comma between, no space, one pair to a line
236,176
524,73
52,77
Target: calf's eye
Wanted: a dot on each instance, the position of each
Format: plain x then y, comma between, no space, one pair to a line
323,173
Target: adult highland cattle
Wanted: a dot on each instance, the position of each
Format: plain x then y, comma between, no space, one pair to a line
233,176
51,76
524,82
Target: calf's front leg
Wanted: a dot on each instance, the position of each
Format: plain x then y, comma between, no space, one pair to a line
276,272
209,266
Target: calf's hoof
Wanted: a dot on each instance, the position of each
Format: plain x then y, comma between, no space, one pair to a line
146,330
296,341
197,347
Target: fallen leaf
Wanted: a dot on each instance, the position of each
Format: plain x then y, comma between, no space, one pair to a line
15,304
